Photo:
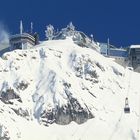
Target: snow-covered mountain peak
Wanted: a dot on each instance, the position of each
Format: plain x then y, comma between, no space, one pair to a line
60,83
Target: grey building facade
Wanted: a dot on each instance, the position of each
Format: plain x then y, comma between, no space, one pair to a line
134,56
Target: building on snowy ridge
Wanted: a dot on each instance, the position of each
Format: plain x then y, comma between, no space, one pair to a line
23,40
134,56
119,55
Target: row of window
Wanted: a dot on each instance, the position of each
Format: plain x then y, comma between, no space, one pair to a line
137,60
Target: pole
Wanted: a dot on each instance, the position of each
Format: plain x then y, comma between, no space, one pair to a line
108,47
21,27
31,27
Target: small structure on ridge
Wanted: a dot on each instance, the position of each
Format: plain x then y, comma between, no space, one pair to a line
23,40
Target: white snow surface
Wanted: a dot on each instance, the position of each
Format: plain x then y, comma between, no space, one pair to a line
45,68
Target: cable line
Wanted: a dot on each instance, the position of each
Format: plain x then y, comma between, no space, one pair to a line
127,108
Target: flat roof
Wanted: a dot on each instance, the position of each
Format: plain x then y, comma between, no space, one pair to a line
134,46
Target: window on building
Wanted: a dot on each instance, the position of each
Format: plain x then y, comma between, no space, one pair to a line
134,57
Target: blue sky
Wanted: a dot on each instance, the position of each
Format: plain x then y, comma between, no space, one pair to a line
117,19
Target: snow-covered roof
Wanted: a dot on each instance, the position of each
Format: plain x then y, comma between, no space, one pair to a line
135,46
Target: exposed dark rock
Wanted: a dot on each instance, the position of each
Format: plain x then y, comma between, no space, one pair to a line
48,117
5,137
101,67
68,85
5,134
73,111
65,114
21,112
93,74
8,95
22,85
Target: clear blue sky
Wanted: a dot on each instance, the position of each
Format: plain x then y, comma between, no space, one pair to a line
117,19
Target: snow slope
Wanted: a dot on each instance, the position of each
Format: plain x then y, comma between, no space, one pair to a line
61,91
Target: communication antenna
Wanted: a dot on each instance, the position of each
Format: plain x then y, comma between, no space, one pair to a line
21,27
108,47
31,27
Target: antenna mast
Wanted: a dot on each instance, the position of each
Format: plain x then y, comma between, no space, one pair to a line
21,27
108,47
31,27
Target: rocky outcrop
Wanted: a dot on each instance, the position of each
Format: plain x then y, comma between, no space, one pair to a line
9,94
66,114
22,112
22,85
4,133
72,111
